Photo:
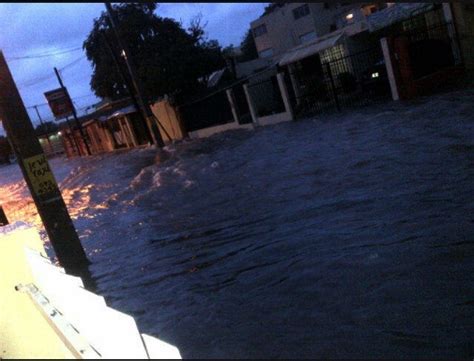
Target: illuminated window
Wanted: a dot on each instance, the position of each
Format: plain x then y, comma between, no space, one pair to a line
349,16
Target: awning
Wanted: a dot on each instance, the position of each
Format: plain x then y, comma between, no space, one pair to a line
123,111
395,13
311,48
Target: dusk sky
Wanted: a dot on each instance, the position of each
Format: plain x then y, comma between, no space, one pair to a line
41,29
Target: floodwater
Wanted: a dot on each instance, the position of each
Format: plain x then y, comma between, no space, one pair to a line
341,236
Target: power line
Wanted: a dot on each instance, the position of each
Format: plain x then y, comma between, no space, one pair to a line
46,77
44,55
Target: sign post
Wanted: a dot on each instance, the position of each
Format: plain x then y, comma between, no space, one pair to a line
38,175
61,106
59,102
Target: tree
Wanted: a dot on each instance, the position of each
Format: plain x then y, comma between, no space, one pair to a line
169,59
248,47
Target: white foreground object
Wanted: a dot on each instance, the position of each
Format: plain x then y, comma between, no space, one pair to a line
89,328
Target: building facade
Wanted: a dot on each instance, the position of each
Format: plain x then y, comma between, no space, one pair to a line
294,24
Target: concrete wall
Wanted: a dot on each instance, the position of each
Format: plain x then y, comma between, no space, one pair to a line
207,132
275,119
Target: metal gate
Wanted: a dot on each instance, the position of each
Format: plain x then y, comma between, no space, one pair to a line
206,112
347,81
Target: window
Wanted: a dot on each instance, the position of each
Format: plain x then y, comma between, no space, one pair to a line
333,53
301,11
307,37
336,56
326,5
260,30
333,27
266,53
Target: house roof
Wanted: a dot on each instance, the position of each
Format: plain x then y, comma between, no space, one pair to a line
395,13
123,111
114,109
303,51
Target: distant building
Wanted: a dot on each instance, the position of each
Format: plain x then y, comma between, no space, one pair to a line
114,125
118,125
52,143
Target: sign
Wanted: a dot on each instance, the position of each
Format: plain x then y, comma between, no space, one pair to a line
59,102
41,178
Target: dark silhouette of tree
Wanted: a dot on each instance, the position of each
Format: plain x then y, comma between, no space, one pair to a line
168,58
248,47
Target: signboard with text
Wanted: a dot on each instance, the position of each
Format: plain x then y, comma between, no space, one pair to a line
59,102
42,180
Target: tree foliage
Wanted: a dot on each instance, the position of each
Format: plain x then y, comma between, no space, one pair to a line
248,47
168,58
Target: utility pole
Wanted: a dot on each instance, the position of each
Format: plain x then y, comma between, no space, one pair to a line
129,87
3,218
74,114
147,113
39,116
38,175
42,123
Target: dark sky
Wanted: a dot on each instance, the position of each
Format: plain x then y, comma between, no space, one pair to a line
39,29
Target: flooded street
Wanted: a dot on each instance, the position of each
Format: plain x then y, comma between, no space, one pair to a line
348,235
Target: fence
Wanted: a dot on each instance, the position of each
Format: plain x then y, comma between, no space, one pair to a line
243,110
346,81
229,108
333,81
266,96
207,112
431,49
